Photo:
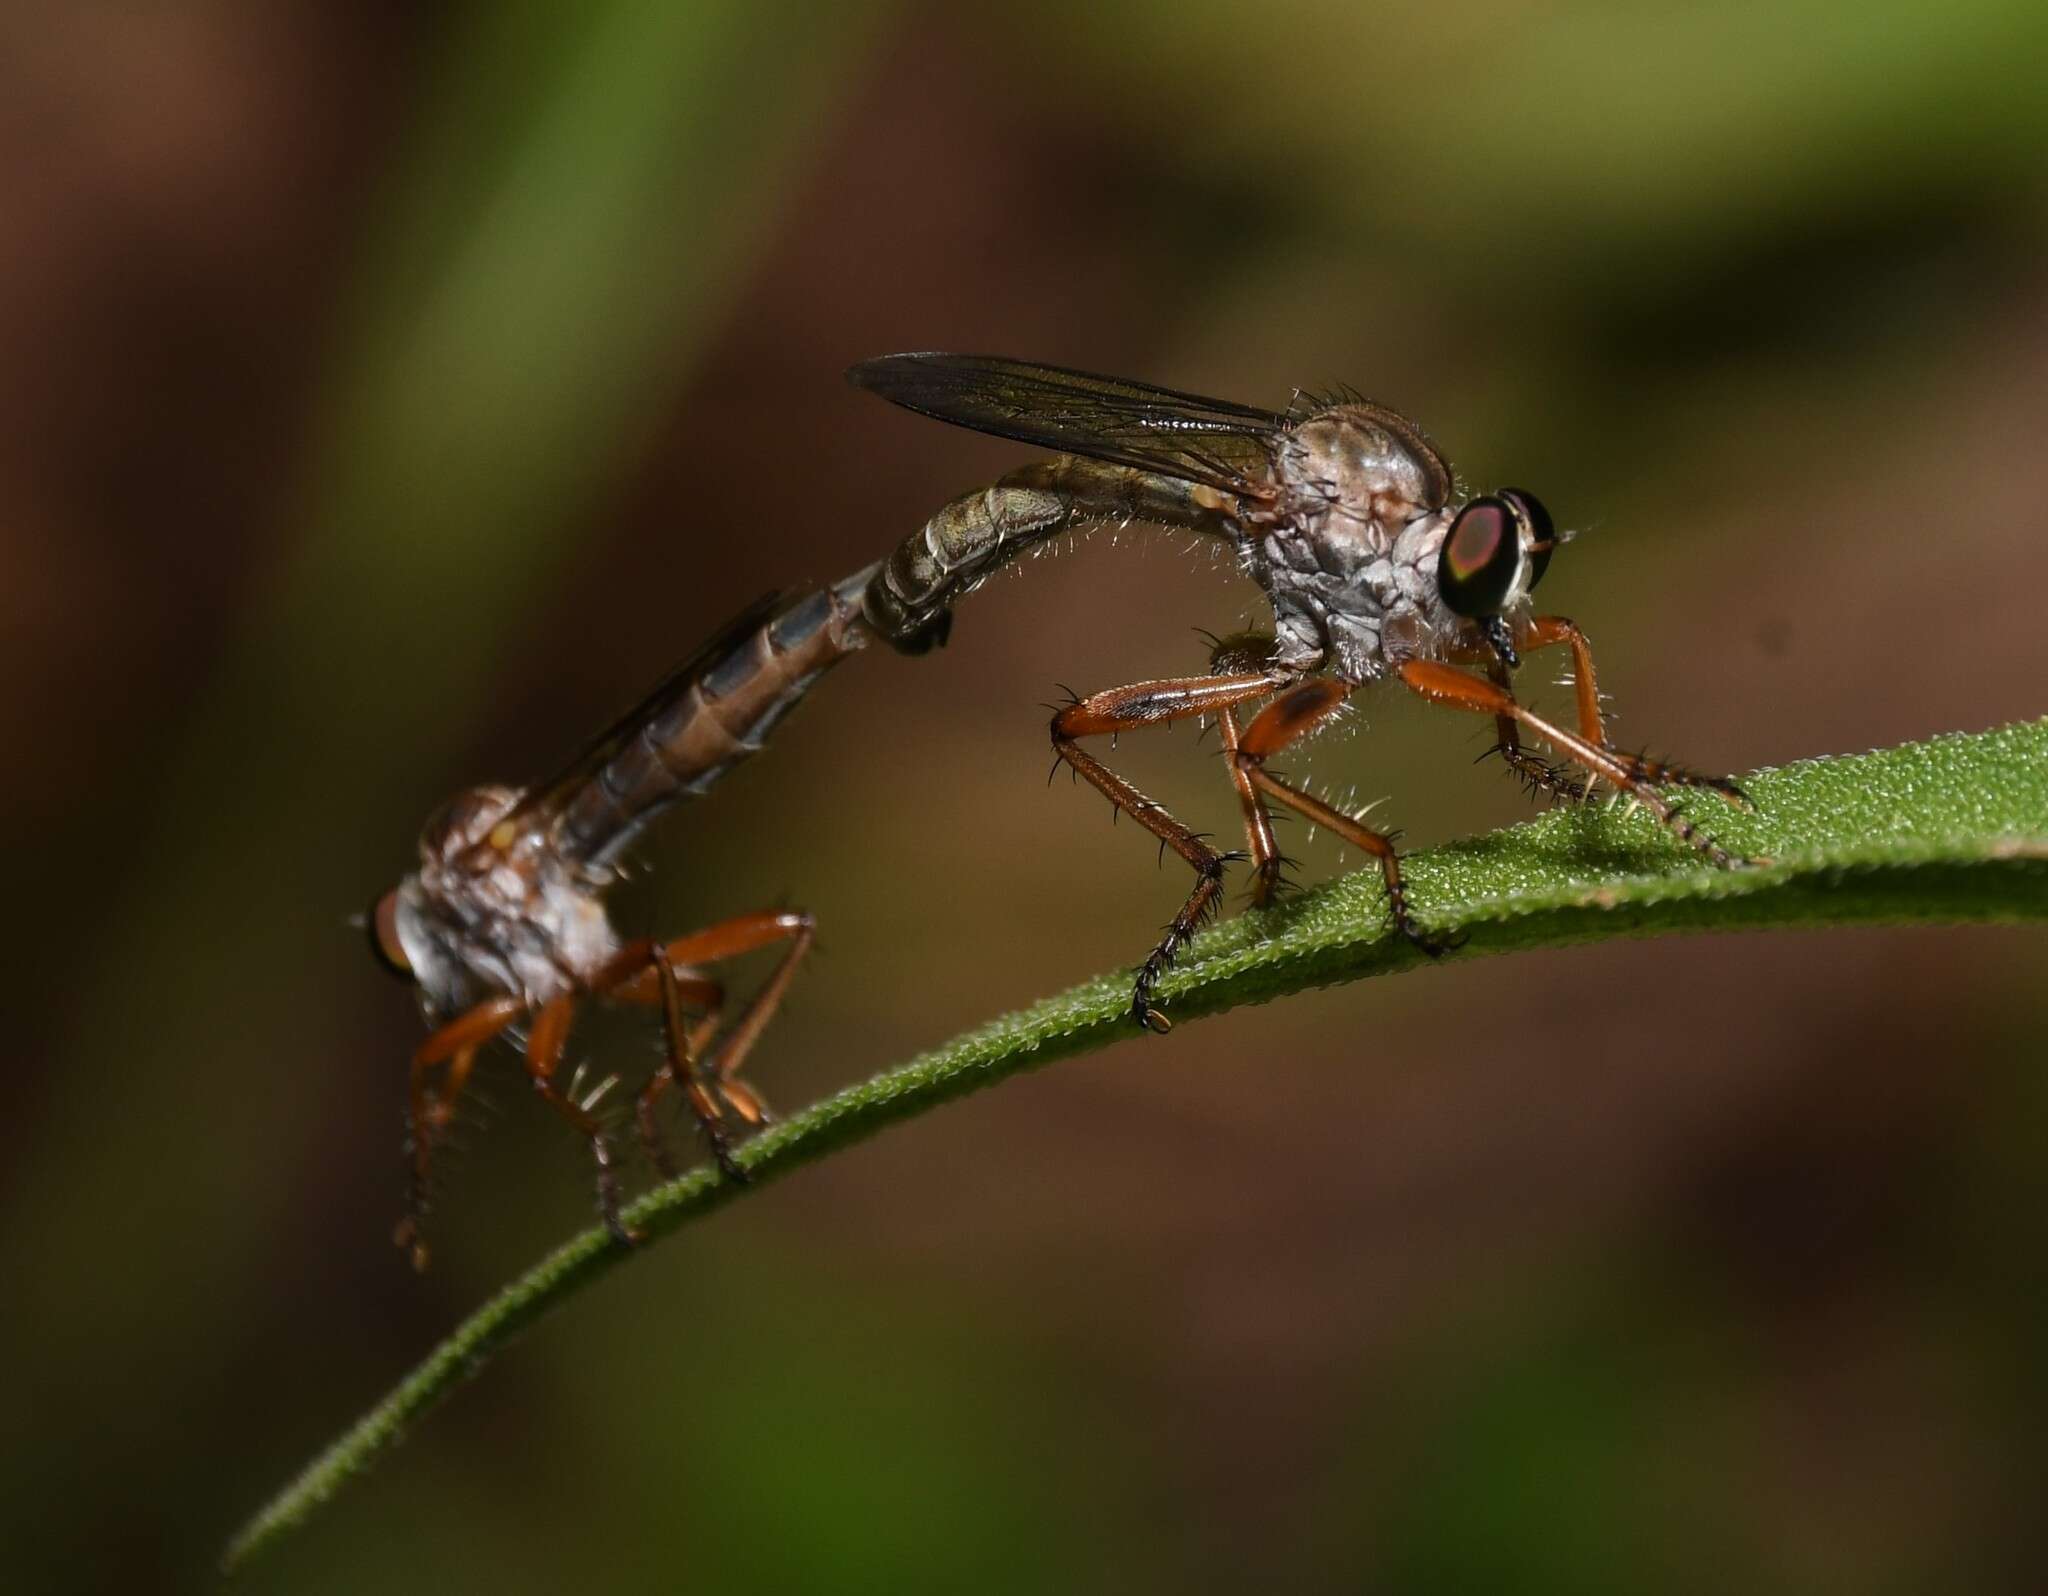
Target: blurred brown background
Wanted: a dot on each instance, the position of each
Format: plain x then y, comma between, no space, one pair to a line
388,394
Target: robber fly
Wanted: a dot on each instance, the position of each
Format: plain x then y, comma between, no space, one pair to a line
502,927
1345,513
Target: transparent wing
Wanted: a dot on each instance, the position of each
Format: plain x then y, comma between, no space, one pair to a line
1227,446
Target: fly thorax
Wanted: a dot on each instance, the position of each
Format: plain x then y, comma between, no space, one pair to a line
1367,459
493,910
575,933
1351,479
1326,578
1419,624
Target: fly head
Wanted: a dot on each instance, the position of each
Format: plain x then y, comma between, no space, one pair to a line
1494,554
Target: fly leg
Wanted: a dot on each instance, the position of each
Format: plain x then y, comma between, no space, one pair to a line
1549,631
1243,653
641,973
728,941
1538,774
1447,685
544,1046
685,1046
680,1065
1291,716
429,1113
665,976
1146,704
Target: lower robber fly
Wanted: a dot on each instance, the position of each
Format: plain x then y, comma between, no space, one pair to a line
1345,513
502,928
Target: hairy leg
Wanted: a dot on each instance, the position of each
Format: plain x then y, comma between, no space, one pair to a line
1290,717
1456,689
1147,704
429,1112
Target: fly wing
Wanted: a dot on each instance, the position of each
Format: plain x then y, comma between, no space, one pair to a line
552,796
1213,441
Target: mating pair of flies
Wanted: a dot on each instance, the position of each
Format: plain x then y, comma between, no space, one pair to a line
1345,514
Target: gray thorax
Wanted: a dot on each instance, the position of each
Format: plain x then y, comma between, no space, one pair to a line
494,908
1347,553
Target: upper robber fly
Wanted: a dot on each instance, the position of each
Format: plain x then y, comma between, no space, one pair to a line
1343,513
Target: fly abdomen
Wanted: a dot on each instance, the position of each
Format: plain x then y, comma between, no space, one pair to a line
909,603
708,717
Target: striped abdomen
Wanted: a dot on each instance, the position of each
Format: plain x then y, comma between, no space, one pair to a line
909,603
713,712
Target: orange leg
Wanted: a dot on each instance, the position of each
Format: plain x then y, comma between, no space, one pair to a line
730,940
680,1067
544,1046
430,1113
1289,718
662,976
1549,631
1446,684
1148,704
1245,652
687,1040
1538,775
1268,862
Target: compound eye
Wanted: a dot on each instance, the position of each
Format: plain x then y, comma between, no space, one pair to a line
1542,535
385,947
1481,554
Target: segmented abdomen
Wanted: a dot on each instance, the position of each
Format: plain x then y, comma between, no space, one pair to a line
710,719
909,604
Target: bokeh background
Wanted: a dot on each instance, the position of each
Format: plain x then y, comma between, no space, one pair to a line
388,394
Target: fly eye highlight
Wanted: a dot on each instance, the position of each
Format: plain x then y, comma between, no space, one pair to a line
1483,552
1540,533
382,925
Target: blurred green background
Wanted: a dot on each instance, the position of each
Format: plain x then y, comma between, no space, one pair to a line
388,394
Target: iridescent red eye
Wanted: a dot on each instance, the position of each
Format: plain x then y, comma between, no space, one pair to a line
1481,554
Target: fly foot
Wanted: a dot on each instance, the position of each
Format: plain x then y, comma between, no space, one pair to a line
1270,879
608,1194
1200,905
1148,1017
722,1153
407,1238
1434,944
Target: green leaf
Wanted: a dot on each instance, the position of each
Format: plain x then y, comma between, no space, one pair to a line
1951,830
